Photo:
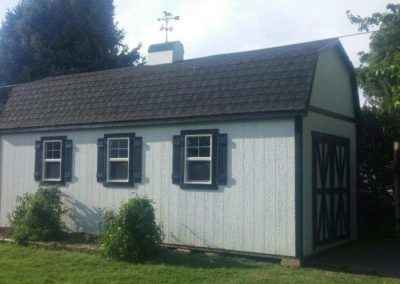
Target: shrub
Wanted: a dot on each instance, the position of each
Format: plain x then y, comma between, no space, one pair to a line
132,233
37,216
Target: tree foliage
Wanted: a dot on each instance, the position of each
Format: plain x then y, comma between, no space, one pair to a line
379,77
377,132
379,73
39,38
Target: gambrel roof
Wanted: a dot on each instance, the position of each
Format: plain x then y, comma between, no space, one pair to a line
267,81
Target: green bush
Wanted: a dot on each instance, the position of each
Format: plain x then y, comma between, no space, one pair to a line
131,234
37,217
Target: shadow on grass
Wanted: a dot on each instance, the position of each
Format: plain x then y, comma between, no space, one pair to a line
204,261
171,257
79,238
366,257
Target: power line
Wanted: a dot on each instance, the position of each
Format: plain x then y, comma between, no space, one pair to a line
355,34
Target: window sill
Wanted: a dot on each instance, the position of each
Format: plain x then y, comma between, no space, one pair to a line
53,183
199,186
118,184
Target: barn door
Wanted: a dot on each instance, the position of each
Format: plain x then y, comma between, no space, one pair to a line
331,188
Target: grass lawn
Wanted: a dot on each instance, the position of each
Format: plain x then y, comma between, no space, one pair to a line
33,265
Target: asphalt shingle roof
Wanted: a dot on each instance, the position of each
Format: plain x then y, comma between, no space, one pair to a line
268,80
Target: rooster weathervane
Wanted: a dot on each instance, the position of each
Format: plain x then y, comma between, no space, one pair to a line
167,17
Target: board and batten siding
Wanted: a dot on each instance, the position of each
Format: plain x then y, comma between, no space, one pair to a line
332,88
332,92
255,212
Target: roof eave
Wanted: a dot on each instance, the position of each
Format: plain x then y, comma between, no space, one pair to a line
160,122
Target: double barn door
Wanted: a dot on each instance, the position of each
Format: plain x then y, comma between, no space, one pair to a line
331,188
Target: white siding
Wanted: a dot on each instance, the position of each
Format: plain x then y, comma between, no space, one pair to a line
253,213
328,125
332,88
160,57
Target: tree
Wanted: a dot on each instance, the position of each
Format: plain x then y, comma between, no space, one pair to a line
375,151
40,38
379,73
379,77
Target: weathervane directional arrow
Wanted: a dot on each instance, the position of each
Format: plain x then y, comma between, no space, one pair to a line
167,17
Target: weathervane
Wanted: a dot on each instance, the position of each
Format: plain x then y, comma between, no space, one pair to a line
165,27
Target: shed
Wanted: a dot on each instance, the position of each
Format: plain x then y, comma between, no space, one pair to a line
251,152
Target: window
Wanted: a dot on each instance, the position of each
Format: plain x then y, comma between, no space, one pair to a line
198,159
52,160
118,159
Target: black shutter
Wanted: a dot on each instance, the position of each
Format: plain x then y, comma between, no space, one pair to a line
101,159
137,159
67,160
177,159
222,159
38,160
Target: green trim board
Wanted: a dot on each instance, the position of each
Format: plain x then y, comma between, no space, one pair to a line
299,186
331,114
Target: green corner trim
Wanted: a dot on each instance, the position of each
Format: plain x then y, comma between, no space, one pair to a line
299,186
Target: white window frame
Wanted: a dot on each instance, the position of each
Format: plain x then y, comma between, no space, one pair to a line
208,159
45,160
109,160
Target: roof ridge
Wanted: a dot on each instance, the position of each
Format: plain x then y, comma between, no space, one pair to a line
263,49
141,66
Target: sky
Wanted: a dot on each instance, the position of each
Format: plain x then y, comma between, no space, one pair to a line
210,27
221,26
